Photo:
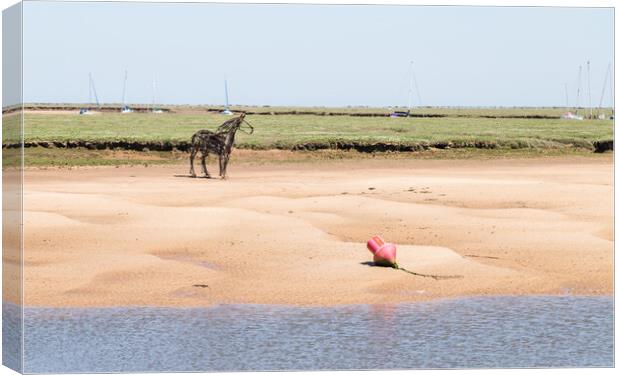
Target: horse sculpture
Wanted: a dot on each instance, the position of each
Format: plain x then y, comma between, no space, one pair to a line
219,142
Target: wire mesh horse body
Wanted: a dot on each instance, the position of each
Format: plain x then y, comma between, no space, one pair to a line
219,142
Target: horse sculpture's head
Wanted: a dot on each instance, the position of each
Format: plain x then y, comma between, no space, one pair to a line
248,127
237,123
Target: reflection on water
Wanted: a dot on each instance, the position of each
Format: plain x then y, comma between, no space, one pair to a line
472,332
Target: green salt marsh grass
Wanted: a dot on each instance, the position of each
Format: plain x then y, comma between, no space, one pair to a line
514,137
283,131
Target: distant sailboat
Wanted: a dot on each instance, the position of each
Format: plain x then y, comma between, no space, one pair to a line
155,109
410,95
570,115
125,108
601,116
226,110
92,91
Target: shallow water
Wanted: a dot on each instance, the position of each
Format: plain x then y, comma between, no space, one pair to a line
469,332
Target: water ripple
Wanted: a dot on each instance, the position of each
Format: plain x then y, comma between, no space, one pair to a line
481,332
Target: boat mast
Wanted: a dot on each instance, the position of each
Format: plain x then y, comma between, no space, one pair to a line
90,91
589,89
611,89
154,90
566,93
410,86
600,103
94,90
578,89
124,89
226,93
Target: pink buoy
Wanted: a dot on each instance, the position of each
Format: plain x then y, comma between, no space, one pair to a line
384,254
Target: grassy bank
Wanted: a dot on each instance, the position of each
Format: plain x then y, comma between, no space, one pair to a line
462,137
287,131
54,157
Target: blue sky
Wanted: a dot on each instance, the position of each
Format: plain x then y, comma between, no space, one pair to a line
314,55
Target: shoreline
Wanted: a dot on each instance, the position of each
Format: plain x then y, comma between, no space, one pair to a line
305,306
294,234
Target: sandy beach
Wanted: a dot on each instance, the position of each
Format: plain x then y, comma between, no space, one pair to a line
295,233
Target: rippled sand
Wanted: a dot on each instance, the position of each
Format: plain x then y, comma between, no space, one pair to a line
295,234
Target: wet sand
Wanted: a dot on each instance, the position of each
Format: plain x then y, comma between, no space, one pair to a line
295,233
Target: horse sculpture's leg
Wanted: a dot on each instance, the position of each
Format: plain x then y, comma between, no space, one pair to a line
219,160
225,165
204,165
222,166
192,155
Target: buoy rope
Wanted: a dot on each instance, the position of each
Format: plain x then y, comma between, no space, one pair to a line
436,277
